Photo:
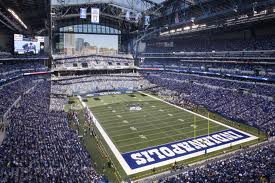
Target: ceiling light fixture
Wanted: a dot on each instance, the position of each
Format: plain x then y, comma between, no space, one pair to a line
17,18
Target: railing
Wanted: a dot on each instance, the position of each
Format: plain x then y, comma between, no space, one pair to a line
23,57
212,53
62,56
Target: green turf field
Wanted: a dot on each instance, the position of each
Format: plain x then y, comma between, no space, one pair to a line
155,124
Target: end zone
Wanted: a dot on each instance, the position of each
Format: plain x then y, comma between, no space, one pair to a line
153,157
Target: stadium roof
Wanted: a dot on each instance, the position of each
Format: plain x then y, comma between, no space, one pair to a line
139,6
33,14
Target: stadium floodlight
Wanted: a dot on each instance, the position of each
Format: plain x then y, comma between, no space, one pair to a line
17,18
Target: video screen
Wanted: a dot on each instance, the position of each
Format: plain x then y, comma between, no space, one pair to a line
28,45
90,44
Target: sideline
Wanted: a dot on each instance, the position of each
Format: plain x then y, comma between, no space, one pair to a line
107,139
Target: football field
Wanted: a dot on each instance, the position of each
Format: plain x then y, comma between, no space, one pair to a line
132,124
155,124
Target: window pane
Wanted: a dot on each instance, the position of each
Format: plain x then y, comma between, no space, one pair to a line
85,28
89,28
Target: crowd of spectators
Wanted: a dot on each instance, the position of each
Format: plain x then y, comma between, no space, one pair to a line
62,56
257,165
17,69
39,146
203,65
246,102
94,62
256,88
223,67
4,53
205,45
95,83
11,92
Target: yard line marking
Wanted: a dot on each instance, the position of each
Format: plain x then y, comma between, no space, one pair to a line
111,126
222,124
104,112
153,124
161,122
183,134
160,116
160,138
127,113
148,130
146,122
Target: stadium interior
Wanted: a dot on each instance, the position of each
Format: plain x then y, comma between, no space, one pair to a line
140,91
